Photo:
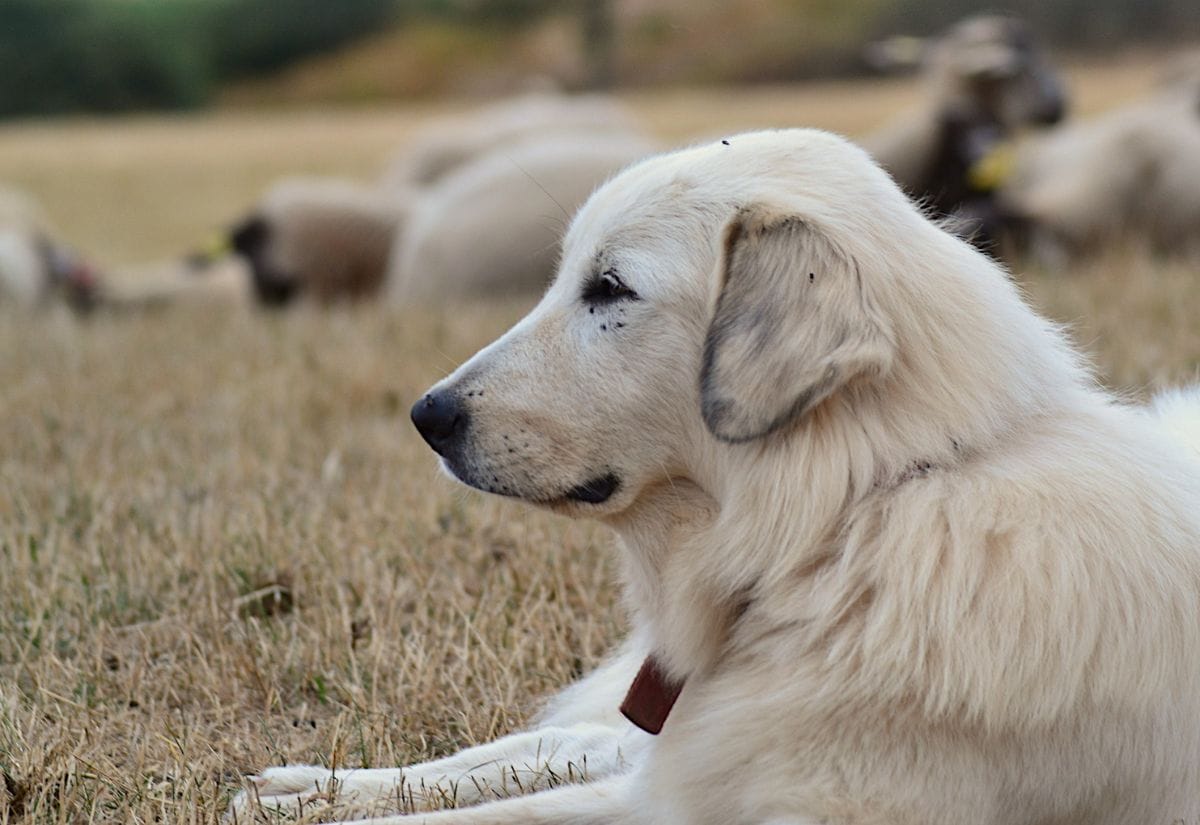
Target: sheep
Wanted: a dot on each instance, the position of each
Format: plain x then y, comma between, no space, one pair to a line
1182,76
447,143
21,281
324,238
493,226
23,275
986,78
195,279
36,269
333,239
1130,173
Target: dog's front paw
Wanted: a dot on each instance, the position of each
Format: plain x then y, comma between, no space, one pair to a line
291,789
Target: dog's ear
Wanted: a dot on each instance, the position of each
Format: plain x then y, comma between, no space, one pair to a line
791,326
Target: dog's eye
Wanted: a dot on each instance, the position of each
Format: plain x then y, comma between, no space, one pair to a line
607,288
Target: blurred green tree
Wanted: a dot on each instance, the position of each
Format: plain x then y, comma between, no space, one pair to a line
61,56
509,12
251,36
70,55
120,55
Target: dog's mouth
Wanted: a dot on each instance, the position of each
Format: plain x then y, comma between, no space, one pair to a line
594,491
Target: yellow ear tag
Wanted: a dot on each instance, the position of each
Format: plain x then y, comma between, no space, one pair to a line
993,169
217,246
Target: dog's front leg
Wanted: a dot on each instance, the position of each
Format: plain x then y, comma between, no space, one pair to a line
517,764
605,802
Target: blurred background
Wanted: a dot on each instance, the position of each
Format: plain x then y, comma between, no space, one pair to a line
219,532
220,98
73,56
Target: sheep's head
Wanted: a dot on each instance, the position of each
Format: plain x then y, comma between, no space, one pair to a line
70,274
322,238
988,68
993,65
253,239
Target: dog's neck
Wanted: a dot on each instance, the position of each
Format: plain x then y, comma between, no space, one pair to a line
661,535
757,515
691,565
695,552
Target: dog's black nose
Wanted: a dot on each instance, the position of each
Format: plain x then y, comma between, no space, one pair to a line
439,418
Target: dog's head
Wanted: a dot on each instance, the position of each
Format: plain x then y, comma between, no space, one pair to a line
707,300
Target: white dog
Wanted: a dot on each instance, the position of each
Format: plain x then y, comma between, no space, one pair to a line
896,556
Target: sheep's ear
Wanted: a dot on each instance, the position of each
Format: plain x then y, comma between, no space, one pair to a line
791,326
996,61
895,55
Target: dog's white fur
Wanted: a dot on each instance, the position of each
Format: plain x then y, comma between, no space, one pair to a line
914,565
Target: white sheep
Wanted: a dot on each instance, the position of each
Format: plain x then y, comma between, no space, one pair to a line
34,268
324,238
1182,76
1130,173
447,143
493,226
986,78
475,187
23,278
222,279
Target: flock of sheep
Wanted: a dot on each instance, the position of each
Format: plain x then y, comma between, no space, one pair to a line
474,205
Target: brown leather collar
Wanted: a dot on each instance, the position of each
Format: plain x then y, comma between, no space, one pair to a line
651,696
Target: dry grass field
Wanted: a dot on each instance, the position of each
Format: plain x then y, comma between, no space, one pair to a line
222,546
